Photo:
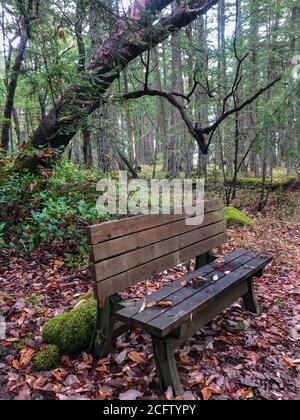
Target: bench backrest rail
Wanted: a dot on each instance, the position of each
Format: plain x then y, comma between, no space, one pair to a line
125,252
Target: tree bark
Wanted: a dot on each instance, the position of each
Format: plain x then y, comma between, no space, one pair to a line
201,98
11,89
174,152
81,7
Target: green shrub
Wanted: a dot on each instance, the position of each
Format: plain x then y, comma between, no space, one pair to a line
235,217
72,331
47,359
49,211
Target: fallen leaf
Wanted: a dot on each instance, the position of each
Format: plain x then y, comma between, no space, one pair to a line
248,393
136,357
169,394
184,283
206,393
26,356
151,304
121,357
143,306
224,340
165,304
130,395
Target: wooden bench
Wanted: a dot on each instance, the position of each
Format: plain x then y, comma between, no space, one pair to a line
125,252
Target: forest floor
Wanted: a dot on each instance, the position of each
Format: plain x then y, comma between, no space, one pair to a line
237,356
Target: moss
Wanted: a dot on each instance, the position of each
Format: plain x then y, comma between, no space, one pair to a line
269,183
33,300
72,331
235,217
47,359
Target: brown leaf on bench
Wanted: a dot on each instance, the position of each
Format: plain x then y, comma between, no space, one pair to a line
151,304
165,304
184,283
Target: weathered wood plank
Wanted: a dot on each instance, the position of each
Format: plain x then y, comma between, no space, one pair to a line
138,240
236,259
127,261
186,292
117,228
129,278
202,318
174,317
163,293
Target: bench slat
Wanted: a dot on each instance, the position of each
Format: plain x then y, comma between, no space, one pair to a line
187,292
124,280
127,261
162,324
175,316
117,228
133,241
165,292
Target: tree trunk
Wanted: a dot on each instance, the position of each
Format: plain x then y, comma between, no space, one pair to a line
81,7
201,99
174,154
120,48
237,131
130,126
11,89
161,106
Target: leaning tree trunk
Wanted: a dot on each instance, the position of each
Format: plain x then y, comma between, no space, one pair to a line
128,40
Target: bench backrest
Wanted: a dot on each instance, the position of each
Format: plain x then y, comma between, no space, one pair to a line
125,252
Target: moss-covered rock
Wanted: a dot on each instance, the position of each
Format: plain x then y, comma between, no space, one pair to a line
234,217
72,331
47,359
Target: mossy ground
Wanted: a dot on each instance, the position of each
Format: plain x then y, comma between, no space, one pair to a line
234,217
72,331
47,359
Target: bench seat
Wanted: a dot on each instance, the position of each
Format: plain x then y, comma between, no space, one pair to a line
218,280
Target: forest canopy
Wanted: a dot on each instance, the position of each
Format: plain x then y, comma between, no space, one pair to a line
113,79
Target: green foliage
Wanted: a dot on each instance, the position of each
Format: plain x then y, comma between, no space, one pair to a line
235,217
33,300
72,331
47,359
49,210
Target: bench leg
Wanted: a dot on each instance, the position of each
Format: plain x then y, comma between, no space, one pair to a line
104,328
249,298
166,367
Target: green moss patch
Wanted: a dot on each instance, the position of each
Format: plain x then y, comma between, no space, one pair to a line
234,217
47,359
72,331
